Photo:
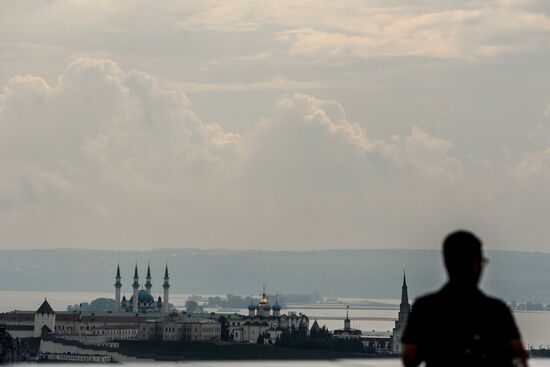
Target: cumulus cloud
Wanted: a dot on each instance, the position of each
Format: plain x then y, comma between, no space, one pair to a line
107,156
107,145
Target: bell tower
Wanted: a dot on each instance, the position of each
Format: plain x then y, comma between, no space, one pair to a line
347,322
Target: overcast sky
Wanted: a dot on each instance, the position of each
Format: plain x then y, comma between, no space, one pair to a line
283,124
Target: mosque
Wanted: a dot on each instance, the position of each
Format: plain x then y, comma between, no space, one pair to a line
142,301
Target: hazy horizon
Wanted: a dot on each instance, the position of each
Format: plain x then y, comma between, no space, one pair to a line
218,249
363,273
274,125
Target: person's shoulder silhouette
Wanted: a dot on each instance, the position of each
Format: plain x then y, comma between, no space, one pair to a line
459,325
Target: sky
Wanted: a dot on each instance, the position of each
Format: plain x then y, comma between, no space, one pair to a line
274,124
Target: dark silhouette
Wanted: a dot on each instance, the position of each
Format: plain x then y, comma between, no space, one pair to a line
459,325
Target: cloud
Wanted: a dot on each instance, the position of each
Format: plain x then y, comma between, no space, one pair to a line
278,83
373,29
453,33
109,156
110,144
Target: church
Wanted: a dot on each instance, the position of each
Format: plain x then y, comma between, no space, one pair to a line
142,300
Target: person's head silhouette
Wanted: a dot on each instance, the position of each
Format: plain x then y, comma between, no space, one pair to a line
463,257
459,325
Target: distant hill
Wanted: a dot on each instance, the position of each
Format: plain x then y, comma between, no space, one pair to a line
522,276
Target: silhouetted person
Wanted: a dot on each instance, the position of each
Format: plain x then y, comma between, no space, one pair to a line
459,325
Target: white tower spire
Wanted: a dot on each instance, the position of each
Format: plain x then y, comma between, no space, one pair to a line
118,286
166,286
135,286
148,284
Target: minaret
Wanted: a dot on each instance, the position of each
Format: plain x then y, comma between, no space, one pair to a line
135,285
148,284
347,322
166,286
118,286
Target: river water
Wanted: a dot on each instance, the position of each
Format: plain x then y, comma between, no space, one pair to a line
535,325
337,363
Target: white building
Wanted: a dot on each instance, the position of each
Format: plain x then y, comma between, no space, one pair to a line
263,320
180,327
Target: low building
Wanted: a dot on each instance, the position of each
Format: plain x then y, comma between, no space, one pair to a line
379,342
117,332
263,321
78,358
347,332
180,327
103,327
247,329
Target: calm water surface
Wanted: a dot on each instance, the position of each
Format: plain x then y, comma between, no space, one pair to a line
341,363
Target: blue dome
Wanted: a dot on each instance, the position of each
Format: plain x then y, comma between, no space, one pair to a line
251,307
143,297
267,307
276,307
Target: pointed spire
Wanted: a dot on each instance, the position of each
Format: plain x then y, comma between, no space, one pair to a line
45,308
135,272
404,293
166,271
148,270
347,312
118,270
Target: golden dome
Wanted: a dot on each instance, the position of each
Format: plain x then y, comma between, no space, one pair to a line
263,301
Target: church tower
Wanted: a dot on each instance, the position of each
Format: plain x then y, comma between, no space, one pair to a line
263,307
148,284
347,322
135,286
166,286
118,286
402,317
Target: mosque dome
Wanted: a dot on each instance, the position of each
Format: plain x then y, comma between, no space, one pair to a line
251,307
276,307
143,297
267,307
